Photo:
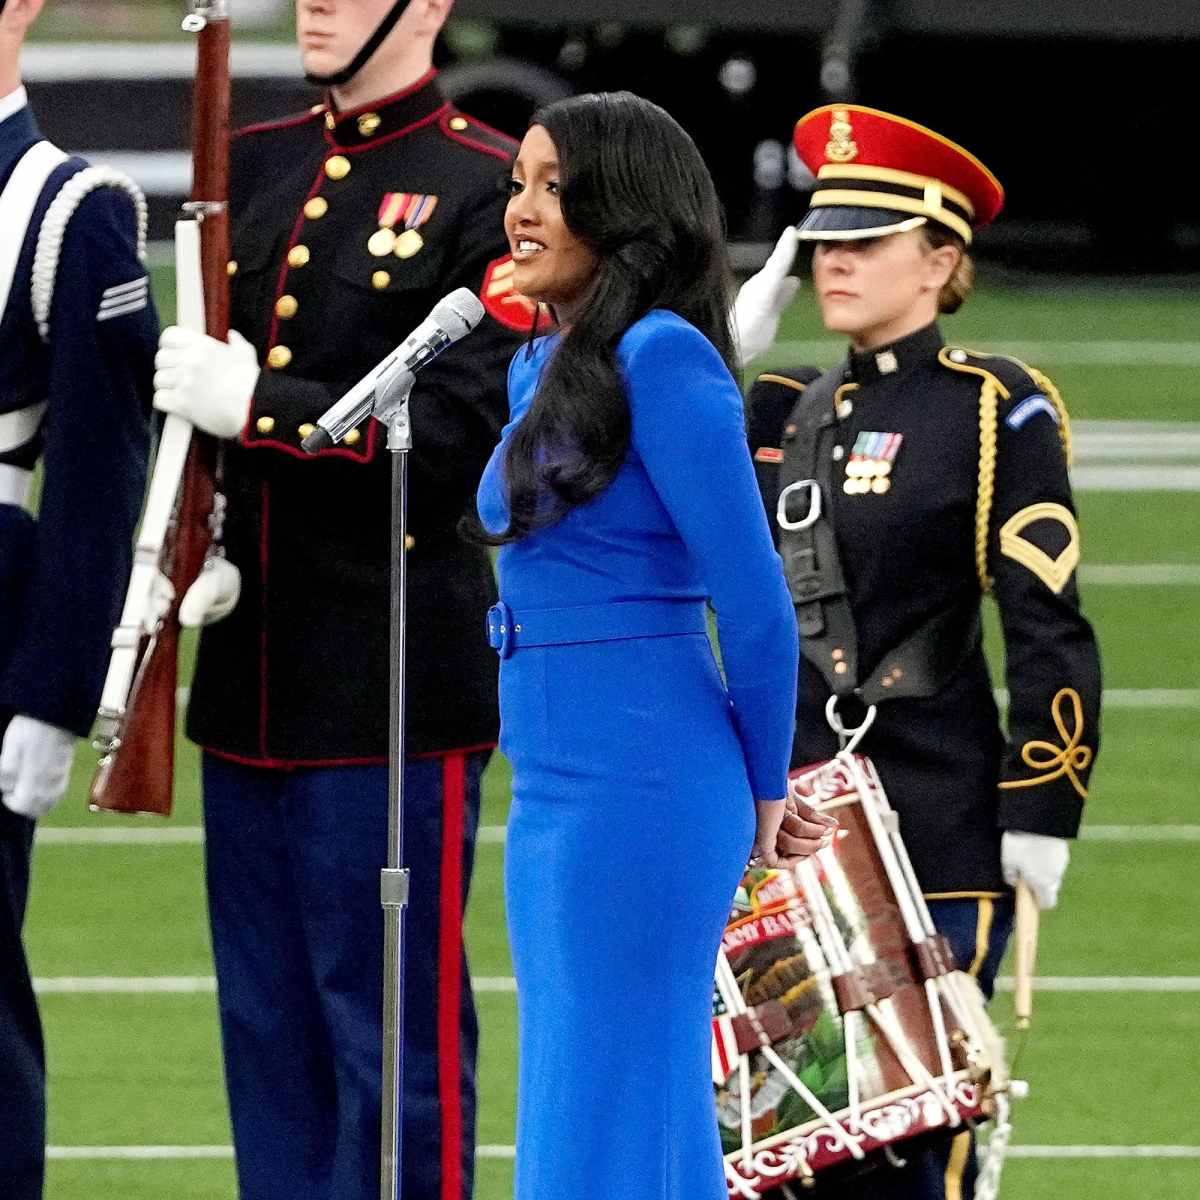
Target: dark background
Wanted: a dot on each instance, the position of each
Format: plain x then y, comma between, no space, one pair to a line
1087,110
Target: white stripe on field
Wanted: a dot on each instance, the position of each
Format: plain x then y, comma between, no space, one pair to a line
143,61
189,985
1113,697
494,834
1135,479
1138,697
497,1151
193,835
1140,833
179,835
127,985
90,1153
1060,354
1107,983
1104,1152
1140,574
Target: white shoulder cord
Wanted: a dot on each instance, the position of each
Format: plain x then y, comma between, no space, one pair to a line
54,230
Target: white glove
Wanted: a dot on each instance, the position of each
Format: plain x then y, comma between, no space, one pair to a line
35,765
1037,860
213,594
762,299
204,381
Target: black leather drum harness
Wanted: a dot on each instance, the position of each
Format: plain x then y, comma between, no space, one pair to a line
923,662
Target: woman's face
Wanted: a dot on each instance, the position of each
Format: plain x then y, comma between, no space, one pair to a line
552,265
875,290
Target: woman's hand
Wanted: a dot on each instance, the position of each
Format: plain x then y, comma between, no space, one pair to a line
803,831
788,831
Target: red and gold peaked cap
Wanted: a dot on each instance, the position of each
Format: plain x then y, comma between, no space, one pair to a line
877,173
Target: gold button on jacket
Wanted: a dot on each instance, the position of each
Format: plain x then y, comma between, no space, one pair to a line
338,167
299,256
286,307
279,357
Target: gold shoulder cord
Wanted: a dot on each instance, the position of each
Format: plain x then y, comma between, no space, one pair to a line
991,392
1064,422
794,384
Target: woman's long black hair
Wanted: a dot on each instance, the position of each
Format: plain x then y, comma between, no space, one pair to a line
634,188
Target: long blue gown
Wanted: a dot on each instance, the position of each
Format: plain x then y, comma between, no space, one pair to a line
635,768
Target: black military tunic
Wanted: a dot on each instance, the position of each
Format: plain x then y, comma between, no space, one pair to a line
934,492
347,228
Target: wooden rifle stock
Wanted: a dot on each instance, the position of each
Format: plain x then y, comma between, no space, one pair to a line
136,734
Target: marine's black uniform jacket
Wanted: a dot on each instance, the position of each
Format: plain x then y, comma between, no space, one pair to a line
299,672
75,390
908,551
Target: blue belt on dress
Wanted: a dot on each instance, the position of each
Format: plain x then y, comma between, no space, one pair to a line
508,631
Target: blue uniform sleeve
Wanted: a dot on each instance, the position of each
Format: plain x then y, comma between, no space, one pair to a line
103,333
688,428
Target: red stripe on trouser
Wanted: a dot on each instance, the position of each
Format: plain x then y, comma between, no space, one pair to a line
450,919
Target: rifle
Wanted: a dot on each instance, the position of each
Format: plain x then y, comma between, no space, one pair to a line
136,722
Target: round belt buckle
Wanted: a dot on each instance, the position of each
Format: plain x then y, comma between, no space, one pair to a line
500,629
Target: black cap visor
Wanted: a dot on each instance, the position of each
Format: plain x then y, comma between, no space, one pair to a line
839,223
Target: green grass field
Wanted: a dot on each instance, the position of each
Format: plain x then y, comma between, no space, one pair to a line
1113,1070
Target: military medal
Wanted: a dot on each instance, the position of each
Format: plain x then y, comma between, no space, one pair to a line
382,242
408,210
408,244
869,467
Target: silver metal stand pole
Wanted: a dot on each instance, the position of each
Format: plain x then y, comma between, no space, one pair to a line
393,879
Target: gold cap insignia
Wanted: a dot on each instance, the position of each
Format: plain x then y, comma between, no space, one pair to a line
841,147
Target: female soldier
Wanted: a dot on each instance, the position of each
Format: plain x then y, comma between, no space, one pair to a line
933,475
624,497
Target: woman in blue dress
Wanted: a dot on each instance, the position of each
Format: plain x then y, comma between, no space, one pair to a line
623,497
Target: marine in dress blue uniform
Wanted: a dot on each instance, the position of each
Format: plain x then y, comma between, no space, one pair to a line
347,227
635,770
76,364
943,477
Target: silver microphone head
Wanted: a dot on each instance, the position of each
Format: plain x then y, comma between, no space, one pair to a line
458,313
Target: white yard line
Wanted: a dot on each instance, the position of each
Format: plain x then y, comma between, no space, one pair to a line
193,835
1114,353
147,61
190,985
498,1151
112,835
1135,479
1140,574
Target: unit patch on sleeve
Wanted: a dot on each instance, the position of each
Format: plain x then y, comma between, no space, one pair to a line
1030,407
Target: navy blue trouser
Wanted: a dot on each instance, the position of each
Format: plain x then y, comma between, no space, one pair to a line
22,1062
978,932
292,863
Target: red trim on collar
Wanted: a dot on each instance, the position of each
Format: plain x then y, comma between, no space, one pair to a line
384,101
428,119
464,140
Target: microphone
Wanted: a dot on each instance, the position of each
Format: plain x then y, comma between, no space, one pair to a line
453,317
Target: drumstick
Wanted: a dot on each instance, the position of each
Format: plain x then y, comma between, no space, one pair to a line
1025,953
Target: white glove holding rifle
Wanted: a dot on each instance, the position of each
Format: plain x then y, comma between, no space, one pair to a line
211,385
762,299
35,766
1037,860
206,382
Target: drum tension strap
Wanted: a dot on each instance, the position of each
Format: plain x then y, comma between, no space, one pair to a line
925,660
